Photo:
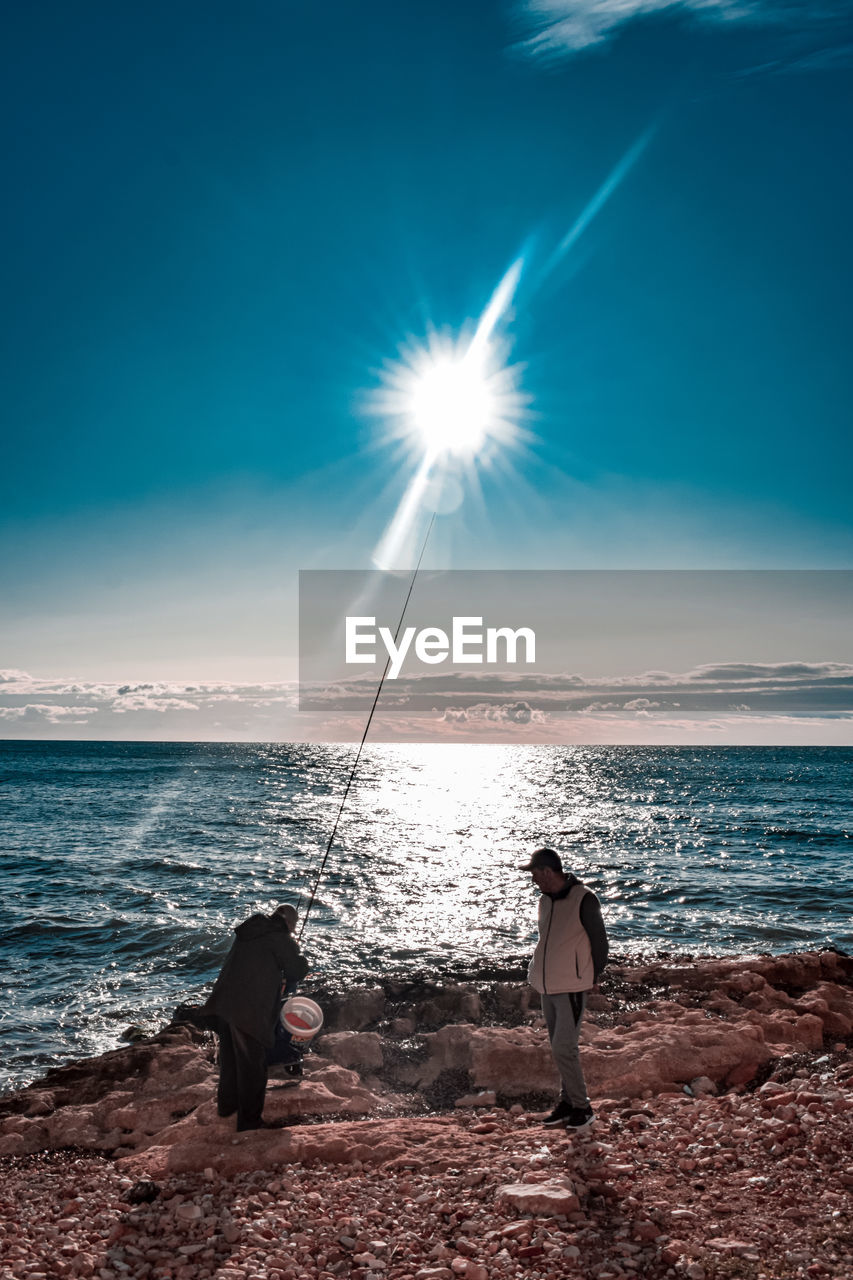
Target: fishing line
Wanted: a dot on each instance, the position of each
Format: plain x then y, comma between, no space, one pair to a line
366,730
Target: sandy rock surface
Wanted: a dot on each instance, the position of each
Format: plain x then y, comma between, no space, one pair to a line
743,1185
723,1145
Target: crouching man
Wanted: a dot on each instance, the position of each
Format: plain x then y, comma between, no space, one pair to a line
243,1008
568,960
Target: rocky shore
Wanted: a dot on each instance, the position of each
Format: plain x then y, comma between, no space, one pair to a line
413,1146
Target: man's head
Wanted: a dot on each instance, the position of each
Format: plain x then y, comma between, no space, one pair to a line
547,870
288,914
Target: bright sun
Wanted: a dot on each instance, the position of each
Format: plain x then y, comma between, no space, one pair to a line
455,397
452,404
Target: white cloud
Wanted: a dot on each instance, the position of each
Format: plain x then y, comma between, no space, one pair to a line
498,713
150,702
48,713
560,27
789,672
642,706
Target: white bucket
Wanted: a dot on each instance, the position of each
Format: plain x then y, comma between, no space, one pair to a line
302,1018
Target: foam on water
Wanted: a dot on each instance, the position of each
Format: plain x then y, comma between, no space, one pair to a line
126,865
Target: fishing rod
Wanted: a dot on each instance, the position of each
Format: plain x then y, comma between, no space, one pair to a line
364,735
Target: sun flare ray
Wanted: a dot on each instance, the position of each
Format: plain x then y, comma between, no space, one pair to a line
455,402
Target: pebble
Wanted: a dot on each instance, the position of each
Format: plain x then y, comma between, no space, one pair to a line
189,1212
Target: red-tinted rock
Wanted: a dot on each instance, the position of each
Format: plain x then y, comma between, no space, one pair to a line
542,1198
360,1050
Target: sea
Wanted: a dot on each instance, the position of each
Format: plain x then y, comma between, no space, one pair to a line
125,865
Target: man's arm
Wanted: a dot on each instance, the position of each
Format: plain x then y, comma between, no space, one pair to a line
591,920
292,963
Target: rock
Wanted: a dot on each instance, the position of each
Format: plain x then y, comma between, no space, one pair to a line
449,1050
361,1050
542,1198
655,1057
833,1004
509,1060
74,1127
150,1115
360,1007
702,1085
724,1245
513,997
805,1031
598,1003
12,1144
449,1004
337,1080
331,1091
142,1192
484,1099
40,1103
189,1211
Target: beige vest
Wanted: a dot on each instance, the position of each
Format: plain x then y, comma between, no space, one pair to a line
562,960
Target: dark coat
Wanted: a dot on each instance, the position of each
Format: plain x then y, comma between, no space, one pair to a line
247,991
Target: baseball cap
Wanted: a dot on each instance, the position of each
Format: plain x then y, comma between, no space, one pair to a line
543,858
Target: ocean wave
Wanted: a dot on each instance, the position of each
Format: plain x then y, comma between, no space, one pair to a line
807,835
158,865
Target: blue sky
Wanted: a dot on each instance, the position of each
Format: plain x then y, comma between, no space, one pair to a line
221,221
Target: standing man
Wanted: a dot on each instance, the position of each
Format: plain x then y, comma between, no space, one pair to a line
243,1008
568,960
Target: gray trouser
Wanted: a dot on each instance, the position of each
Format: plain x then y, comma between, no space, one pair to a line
563,1014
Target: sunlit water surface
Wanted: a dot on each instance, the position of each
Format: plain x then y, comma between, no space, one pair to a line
126,865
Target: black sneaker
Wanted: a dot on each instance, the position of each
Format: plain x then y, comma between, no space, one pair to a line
559,1115
578,1118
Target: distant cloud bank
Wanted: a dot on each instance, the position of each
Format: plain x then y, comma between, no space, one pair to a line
737,703
34,707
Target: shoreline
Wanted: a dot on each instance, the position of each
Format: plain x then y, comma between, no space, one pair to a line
507,969
481,977
723,1090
